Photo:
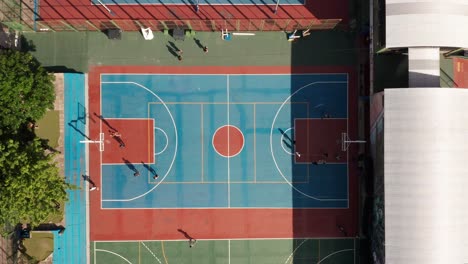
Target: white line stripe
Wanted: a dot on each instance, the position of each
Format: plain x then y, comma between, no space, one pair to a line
334,253
94,252
151,252
113,253
229,251
294,251
204,208
88,229
232,74
232,239
229,152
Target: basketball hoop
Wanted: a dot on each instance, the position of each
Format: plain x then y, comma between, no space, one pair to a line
346,141
100,142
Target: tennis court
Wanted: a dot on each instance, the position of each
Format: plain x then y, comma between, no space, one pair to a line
235,151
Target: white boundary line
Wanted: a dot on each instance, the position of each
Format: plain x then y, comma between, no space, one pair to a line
347,131
88,226
228,143
226,239
271,148
208,4
205,208
113,253
175,150
334,253
154,255
94,242
229,251
231,74
294,251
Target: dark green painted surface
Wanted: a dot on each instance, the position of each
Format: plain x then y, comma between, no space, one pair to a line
339,251
75,51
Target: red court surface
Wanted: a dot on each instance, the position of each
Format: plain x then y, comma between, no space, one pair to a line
228,141
137,135
460,66
84,9
162,224
316,137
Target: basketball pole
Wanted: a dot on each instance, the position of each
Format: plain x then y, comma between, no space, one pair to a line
108,10
276,7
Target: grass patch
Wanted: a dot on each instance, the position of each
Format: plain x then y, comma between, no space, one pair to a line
48,128
56,217
40,245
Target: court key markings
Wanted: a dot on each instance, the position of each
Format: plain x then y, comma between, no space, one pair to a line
229,153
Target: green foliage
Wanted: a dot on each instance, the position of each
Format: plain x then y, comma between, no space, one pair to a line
30,183
26,90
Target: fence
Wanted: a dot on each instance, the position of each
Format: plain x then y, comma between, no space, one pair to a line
21,15
197,25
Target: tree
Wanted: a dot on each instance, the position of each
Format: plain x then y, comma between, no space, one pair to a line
26,90
30,183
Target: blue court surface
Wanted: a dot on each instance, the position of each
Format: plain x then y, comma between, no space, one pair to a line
201,2
189,109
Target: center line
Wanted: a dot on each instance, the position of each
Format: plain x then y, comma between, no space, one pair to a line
229,151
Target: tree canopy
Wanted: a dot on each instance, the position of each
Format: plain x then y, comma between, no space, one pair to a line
30,183
26,90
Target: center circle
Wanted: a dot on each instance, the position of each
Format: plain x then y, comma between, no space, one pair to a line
228,141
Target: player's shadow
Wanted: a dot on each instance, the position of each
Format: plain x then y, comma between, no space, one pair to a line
129,165
286,143
286,136
88,179
186,235
172,50
72,124
149,168
198,42
105,122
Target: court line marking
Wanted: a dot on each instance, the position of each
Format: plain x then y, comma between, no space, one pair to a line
223,103
167,140
225,239
229,150
255,140
175,150
94,242
217,207
347,131
229,251
151,252
202,143
201,4
243,141
282,138
164,252
232,74
87,169
139,252
271,144
334,253
113,253
294,251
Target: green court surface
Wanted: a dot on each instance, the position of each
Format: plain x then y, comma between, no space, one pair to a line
258,251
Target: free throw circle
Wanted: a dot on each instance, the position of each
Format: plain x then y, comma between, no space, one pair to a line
228,141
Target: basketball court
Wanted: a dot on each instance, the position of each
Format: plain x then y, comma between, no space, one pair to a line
246,158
